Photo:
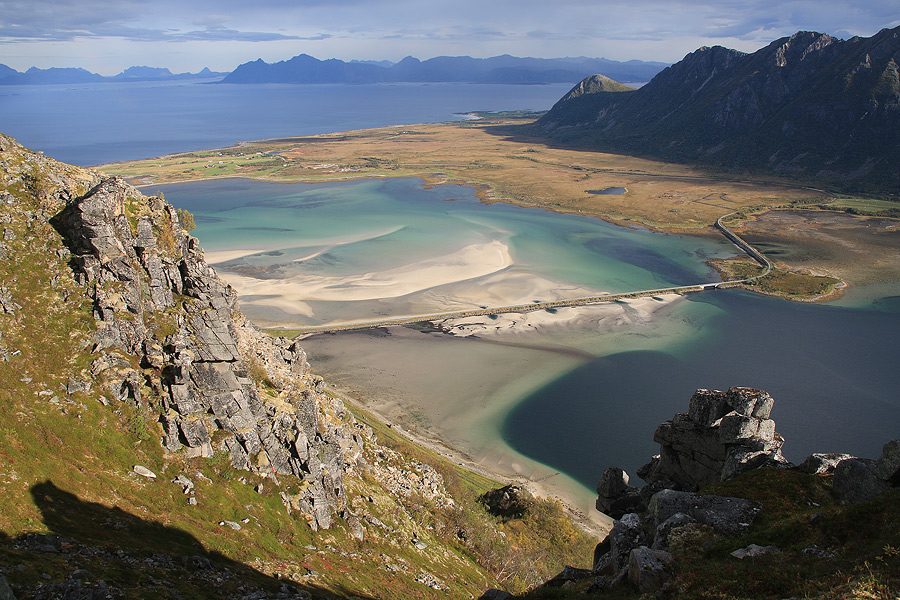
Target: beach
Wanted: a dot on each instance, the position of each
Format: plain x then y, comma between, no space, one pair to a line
453,390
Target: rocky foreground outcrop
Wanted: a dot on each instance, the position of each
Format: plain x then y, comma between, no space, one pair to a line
169,336
723,435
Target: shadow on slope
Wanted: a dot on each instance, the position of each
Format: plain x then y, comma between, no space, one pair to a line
94,551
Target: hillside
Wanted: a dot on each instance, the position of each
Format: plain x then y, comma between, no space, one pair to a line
808,106
156,444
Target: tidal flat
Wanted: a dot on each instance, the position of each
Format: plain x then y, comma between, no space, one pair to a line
547,397
551,398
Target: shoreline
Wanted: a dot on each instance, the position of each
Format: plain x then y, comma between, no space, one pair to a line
462,419
591,521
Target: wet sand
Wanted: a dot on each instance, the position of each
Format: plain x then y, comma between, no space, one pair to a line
454,391
471,278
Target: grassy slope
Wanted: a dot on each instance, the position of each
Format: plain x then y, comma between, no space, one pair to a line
800,511
67,460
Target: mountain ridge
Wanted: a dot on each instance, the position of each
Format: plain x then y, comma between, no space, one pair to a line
809,105
459,69
62,75
304,68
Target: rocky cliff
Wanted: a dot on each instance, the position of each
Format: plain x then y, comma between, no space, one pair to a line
168,335
710,503
808,105
155,443
156,300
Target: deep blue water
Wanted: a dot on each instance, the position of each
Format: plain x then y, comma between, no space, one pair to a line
832,371
97,123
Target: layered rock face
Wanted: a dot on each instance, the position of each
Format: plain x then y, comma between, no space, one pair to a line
722,435
201,363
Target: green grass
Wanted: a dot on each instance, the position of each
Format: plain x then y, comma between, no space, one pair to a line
792,285
863,538
864,206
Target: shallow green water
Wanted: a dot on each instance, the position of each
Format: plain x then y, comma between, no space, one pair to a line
831,368
336,235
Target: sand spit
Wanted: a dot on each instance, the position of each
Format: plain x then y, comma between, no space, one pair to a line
470,262
600,317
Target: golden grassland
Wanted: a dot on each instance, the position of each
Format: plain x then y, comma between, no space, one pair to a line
496,157
498,160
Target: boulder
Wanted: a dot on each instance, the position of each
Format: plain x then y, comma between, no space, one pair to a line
613,482
822,464
614,496
648,569
753,551
627,533
186,485
661,537
507,502
728,516
887,467
144,472
855,480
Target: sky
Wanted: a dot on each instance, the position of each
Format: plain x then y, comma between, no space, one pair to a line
107,36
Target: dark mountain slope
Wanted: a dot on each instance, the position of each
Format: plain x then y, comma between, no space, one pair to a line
809,105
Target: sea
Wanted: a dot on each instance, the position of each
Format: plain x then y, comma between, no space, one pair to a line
832,367
97,123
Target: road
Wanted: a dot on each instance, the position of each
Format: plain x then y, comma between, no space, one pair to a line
521,308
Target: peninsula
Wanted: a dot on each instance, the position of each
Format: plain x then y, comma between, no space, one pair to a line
489,152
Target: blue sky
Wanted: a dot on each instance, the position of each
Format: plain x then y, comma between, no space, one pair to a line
106,36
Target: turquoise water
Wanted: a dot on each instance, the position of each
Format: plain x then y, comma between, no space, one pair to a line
334,235
831,368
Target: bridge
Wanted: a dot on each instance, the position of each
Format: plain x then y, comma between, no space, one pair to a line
734,238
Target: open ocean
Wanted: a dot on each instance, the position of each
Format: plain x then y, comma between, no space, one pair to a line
91,124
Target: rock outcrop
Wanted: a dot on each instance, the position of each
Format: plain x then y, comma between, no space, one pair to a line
722,435
169,333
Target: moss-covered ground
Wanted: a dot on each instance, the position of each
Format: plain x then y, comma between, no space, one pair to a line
826,550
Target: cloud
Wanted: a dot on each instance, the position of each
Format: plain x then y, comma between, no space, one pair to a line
65,20
389,29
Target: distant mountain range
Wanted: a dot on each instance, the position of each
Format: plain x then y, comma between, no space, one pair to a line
35,76
306,69
808,105
460,69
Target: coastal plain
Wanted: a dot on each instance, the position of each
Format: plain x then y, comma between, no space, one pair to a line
462,413
490,154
